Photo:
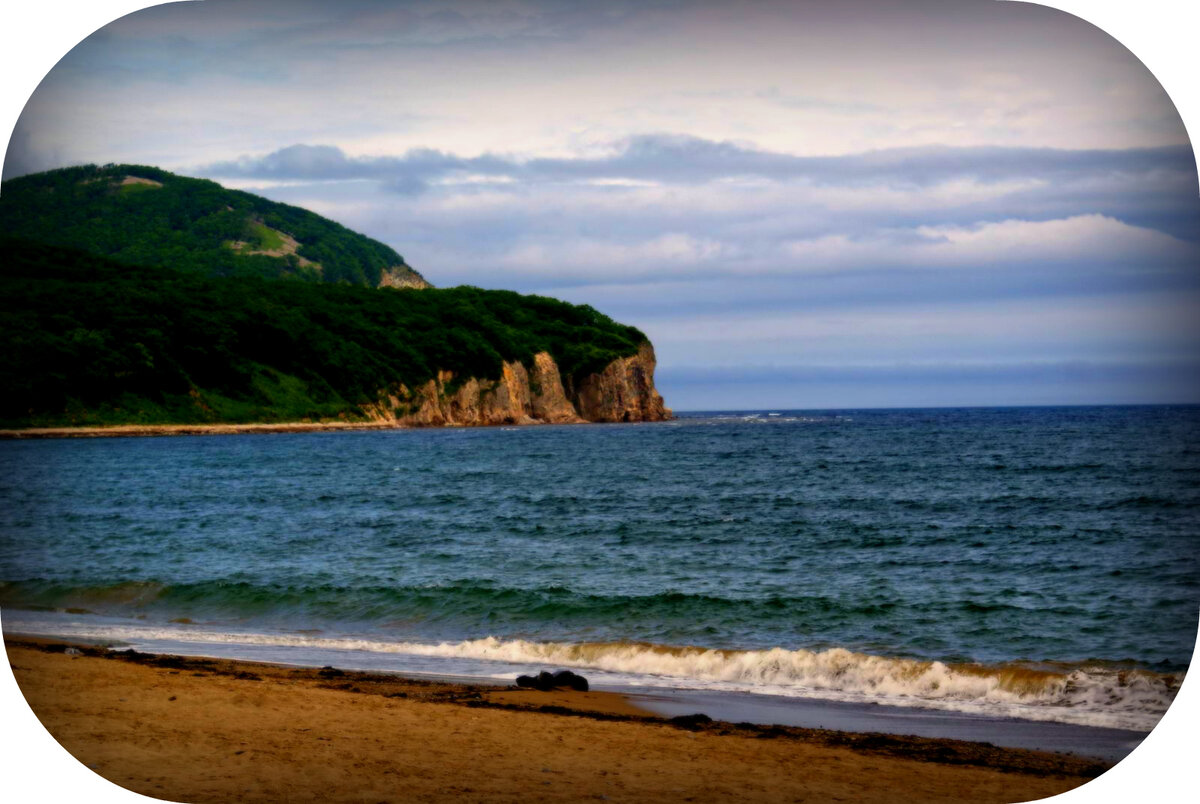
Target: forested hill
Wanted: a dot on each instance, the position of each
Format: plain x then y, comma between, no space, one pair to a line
88,340
146,216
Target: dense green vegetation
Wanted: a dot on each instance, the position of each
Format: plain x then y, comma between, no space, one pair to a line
89,340
146,216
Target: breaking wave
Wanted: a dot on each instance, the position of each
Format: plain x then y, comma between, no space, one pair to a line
1095,694
1092,695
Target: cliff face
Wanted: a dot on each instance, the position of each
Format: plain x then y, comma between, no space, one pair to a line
623,392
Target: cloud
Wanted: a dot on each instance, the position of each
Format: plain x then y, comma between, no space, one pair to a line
406,174
1092,240
1095,237
1122,223
667,253
193,83
682,159
1090,249
649,207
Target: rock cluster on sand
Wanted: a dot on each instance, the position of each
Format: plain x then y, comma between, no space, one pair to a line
545,681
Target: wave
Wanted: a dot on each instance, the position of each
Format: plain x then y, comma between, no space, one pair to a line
1096,694
1129,698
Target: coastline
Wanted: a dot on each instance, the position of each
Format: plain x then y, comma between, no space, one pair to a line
1056,709
147,430
158,430
213,730
161,430
622,392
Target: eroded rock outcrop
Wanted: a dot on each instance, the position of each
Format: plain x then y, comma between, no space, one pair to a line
623,392
401,276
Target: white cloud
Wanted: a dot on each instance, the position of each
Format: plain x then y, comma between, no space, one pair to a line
1095,239
670,252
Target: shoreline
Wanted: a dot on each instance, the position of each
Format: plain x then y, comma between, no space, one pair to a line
211,729
1042,719
154,430
161,430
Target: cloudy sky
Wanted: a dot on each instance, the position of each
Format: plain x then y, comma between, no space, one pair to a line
803,204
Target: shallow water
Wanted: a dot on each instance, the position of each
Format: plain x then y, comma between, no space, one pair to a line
855,555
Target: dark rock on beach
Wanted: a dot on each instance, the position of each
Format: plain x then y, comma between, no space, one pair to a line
546,681
565,678
691,722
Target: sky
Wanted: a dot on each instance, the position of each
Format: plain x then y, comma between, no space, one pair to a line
805,205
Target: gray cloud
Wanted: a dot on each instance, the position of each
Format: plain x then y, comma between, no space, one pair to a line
540,229
688,160
1150,187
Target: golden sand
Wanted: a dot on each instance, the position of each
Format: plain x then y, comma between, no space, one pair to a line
216,731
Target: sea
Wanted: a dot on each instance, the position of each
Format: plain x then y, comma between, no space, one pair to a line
1024,564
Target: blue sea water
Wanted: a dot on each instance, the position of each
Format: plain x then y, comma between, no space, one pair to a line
1037,562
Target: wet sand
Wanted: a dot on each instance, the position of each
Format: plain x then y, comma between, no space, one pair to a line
206,730
1106,744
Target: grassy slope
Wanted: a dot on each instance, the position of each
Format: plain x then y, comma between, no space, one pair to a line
184,224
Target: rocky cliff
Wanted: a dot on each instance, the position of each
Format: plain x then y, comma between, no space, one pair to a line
623,392
401,276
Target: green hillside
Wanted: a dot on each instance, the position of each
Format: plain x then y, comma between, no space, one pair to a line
146,216
88,340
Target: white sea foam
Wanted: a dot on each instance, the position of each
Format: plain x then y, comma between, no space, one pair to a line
1095,696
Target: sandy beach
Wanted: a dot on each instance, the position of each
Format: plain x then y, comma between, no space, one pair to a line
201,730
